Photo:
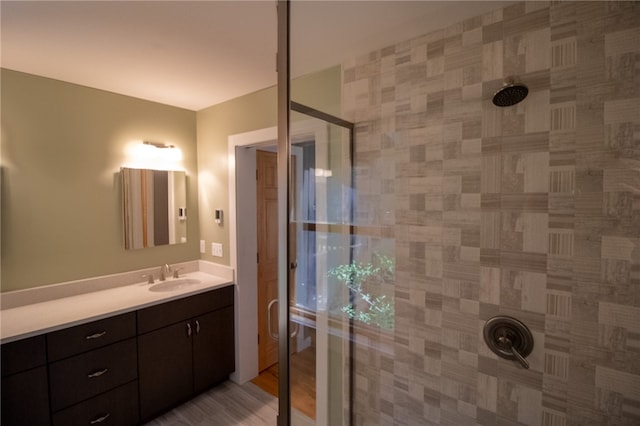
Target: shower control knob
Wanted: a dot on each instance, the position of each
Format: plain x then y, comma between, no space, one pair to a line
506,343
508,338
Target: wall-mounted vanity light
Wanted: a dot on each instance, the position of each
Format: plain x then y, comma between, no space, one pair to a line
160,145
154,155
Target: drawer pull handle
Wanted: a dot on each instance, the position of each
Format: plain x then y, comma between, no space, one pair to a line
97,373
99,419
95,335
197,327
188,329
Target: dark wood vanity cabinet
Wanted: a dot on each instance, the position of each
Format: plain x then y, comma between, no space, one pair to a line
25,389
211,363
118,407
93,371
184,347
123,369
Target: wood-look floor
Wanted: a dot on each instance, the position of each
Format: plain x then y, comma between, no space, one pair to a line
302,379
229,404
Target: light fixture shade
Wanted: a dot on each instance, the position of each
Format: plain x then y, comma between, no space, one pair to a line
154,155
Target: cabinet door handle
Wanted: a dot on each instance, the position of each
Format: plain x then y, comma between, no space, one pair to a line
197,327
99,419
189,329
97,373
95,335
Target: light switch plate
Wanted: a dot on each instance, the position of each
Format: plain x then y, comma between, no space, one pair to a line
202,247
216,249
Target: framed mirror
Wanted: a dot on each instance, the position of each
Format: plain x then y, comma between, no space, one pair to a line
154,210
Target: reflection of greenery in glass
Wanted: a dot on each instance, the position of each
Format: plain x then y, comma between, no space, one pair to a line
361,276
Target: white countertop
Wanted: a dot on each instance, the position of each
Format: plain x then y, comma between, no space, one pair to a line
43,317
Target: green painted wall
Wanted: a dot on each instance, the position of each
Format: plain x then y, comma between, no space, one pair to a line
62,146
244,114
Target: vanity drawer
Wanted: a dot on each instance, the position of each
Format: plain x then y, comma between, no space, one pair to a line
85,337
84,376
118,407
165,314
23,355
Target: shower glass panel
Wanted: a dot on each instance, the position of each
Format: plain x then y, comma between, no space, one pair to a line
464,211
321,298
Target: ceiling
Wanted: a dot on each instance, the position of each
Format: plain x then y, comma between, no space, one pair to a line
194,54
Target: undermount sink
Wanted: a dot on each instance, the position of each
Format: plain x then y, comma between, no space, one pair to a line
174,285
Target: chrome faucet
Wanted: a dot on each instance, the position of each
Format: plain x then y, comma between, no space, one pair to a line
165,270
176,272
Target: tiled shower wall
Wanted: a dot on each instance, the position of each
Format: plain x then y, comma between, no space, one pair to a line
531,211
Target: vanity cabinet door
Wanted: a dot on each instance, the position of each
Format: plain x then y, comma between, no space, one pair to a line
165,377
184,347
24,383
213,348
25,398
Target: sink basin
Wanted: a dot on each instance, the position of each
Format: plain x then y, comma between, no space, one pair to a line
174,285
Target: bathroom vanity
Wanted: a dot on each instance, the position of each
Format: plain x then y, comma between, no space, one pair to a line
124,368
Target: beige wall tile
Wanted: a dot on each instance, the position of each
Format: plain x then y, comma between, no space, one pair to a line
473,37
623,179
618,381
533,290
492,54
558,304
529,406
535,232
621,111
621,42
621,248
537,45
619,316
564,53
490,285
536,112
487,392
535,168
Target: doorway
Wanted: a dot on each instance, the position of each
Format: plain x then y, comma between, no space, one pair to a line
319,215
303,340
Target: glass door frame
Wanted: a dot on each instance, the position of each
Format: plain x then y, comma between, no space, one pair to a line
323,405
284,155
286,259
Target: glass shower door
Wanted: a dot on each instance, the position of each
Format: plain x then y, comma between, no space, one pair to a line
321,244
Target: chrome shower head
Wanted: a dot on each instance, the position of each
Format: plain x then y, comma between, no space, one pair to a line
510,94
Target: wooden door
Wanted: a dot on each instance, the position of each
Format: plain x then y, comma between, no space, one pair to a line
267,216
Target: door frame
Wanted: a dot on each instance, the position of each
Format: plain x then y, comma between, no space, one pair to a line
242,240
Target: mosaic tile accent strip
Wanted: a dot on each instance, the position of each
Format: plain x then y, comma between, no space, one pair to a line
531,211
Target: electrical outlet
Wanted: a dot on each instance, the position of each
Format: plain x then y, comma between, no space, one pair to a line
216,249
202,247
